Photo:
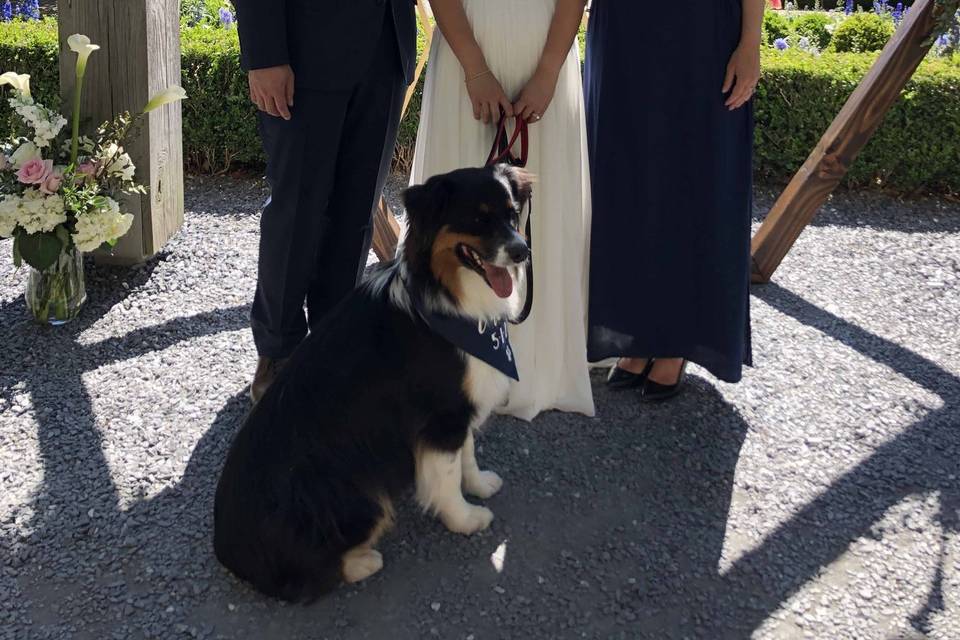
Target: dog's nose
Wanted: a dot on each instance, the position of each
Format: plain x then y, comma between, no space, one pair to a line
518,251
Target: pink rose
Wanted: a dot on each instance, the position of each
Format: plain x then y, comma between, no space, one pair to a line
35,171
52,184
87,169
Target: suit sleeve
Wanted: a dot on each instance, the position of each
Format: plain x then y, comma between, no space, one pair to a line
262,25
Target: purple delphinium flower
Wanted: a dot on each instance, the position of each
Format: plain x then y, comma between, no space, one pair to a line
781,44
226,18
848,9
898,13
30,9
6,11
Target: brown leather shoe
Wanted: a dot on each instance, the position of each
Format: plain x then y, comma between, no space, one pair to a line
267,370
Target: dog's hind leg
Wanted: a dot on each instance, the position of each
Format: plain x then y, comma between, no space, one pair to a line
482,484
439,475
363,561
360,563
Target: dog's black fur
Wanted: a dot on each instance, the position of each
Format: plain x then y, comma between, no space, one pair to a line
311,473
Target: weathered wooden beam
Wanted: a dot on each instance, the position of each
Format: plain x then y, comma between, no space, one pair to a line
139,56
386,230
843,141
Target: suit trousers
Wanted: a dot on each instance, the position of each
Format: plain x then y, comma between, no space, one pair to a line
326,168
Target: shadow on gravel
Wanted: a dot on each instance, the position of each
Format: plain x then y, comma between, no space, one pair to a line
67,434
924,459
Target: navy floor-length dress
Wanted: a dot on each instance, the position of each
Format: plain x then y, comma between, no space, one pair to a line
672,183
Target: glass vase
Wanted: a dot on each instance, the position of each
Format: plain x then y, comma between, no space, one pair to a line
55,295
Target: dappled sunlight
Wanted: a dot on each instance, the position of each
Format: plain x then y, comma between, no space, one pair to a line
499,557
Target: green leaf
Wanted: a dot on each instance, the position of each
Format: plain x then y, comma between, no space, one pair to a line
62,235
39,250
17,258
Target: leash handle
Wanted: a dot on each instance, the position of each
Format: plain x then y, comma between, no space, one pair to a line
502,151
503,144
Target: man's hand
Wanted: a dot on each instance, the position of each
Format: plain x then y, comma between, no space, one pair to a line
271,90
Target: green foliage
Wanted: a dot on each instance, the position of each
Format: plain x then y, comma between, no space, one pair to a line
814,25
30,47
775,26
202,13
219,121
917,147
862,33
39,250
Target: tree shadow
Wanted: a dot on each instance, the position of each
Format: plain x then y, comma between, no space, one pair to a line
48,364
920,460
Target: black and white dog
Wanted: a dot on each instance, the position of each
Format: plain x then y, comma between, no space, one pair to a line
377,398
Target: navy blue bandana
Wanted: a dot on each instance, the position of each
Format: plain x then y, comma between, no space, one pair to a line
484,340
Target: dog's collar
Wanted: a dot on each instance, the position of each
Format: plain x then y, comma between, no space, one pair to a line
483,339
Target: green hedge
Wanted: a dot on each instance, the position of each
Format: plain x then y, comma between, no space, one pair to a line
917,148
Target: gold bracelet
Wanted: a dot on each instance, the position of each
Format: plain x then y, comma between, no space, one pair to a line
479,75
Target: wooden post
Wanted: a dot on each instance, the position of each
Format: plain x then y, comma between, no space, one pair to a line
386,230
843,141
139,56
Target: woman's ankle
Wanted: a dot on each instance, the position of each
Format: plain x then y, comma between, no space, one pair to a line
633,365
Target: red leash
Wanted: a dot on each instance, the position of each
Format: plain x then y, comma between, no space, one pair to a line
502,152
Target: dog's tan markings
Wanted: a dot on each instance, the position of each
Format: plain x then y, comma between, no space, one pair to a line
485,208
363,561
386,522
444,261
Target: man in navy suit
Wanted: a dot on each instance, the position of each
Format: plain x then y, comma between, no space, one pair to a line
329,78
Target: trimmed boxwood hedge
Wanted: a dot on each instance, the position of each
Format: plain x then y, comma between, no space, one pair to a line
917,148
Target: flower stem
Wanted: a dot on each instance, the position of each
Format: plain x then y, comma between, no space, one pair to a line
75,140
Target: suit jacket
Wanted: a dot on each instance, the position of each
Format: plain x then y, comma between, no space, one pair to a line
329,43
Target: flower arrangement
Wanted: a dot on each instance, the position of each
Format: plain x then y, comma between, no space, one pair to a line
59,193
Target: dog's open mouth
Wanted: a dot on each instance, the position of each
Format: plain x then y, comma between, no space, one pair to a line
497,278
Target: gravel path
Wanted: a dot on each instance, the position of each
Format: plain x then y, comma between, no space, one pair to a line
820,498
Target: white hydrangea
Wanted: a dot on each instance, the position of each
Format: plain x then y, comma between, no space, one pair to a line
40,213
9,210
121,166
104,225
46,124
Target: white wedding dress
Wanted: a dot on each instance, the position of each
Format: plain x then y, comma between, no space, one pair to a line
551,345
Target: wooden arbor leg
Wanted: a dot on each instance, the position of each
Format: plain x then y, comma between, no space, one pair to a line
843,141
386,230
140,56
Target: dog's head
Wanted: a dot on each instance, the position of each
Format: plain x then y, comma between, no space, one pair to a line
464,240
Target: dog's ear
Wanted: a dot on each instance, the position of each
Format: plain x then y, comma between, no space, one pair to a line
521,182
424,202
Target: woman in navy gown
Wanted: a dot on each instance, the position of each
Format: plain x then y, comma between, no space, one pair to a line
670,133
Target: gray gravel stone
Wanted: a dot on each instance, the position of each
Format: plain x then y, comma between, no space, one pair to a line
819,498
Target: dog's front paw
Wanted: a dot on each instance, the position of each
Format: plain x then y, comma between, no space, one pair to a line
471,520
483,484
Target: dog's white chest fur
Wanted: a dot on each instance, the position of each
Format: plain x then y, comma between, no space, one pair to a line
485,386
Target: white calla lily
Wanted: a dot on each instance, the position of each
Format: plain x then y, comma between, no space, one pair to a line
169,95
81,45
19,81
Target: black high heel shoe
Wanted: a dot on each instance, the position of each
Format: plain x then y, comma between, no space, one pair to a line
622,379
656,392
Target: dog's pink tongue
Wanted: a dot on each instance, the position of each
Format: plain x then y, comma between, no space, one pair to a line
499,279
